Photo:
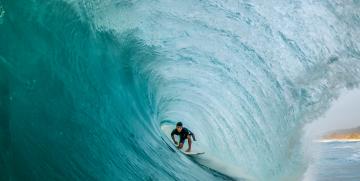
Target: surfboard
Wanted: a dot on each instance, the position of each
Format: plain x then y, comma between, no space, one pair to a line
192,152
167,128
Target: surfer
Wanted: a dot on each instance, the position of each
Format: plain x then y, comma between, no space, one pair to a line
184,133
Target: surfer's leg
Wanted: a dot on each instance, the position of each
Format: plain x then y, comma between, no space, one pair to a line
180,145
189,142
193,136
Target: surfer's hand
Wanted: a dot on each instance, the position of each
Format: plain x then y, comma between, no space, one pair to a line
175,142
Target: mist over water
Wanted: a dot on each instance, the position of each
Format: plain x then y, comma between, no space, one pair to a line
342,114
84,85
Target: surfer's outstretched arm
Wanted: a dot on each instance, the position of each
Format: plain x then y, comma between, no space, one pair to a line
189,141
173,137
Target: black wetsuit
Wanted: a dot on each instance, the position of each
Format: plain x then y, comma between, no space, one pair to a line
183,134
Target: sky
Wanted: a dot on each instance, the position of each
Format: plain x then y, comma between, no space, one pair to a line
344,113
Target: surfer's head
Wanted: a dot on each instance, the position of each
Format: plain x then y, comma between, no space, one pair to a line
179,126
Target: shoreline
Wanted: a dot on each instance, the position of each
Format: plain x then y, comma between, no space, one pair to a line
336,140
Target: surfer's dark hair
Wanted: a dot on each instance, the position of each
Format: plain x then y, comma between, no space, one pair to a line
179,124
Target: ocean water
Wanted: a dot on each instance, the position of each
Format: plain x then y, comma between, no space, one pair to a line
336,161
85,85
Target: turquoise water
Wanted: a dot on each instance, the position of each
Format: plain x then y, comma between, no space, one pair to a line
84,85
337,161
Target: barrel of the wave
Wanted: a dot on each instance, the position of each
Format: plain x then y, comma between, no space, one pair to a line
199,155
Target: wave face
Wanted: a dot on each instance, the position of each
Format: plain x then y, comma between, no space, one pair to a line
86,84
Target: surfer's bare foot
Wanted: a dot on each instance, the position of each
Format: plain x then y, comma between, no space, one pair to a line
188,150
